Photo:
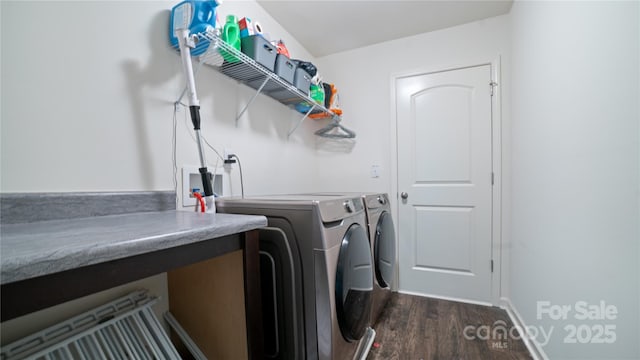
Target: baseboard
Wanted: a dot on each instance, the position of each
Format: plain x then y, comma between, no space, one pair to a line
536,351
446,298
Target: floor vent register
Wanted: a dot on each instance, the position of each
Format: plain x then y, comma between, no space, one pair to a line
125,328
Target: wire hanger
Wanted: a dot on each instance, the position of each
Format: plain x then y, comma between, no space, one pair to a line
342,133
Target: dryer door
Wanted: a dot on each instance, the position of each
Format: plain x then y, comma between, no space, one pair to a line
384,251
354,283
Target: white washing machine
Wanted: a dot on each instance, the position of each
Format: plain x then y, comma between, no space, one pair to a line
317,275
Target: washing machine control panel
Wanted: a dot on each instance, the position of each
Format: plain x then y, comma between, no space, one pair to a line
338,209
375,201
348,205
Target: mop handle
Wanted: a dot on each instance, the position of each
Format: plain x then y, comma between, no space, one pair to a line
184,40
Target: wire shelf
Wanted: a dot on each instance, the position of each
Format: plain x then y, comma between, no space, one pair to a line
249,72
122,329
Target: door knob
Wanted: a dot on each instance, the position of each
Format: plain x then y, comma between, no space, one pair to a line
404,195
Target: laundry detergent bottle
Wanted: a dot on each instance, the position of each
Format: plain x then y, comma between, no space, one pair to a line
317,93
199,16
231,35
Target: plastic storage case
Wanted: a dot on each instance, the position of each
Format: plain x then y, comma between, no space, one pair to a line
285,96
285,68
269,86
260,50
302,81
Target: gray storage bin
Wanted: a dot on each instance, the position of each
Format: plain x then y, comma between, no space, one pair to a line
270,86
285,68
260,50
285,96
302,81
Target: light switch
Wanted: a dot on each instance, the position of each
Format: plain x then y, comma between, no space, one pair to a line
375,171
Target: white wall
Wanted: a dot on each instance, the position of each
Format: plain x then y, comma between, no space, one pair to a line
576,167
87,103
363,77
94,113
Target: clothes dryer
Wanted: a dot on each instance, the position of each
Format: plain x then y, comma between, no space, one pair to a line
382,236
382,239
317,273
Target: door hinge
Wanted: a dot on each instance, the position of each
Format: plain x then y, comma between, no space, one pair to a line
493,85
493,179
491,265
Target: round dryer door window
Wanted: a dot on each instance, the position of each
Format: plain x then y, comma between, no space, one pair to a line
354,283
385,250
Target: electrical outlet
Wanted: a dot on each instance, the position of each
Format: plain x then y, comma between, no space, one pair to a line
226,152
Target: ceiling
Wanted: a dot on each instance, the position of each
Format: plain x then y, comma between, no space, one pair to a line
326,27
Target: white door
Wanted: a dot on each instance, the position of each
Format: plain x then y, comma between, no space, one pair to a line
444,169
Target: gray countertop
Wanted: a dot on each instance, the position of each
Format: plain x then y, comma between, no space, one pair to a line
34,249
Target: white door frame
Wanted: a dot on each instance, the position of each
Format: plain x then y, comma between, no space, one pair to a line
496,162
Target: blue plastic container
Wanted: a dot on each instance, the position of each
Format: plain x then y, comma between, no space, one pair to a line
195,15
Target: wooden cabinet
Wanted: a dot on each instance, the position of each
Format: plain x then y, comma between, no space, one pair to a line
207,298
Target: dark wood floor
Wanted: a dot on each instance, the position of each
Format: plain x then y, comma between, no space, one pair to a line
420,328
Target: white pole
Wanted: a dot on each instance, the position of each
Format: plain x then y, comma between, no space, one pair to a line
186,42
